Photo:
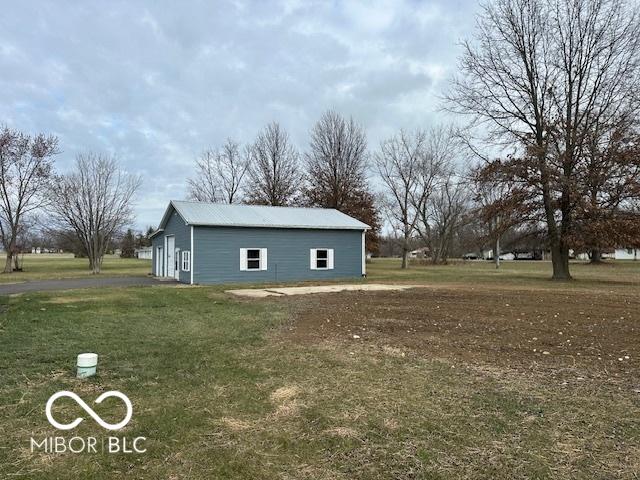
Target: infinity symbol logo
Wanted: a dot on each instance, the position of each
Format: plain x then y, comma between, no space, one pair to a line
89,410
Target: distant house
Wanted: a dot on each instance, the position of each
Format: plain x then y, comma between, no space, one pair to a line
420,253
627,254
487,255
204,243
144,253
482,255
610,254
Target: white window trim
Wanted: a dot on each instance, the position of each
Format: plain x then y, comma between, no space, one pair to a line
185,259
313,259
244,260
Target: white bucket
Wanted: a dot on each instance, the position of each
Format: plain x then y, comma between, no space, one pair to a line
87,364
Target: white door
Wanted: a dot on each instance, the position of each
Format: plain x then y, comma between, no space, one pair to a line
171,256
159,262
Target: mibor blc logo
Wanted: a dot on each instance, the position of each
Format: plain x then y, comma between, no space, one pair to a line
77,444
89,410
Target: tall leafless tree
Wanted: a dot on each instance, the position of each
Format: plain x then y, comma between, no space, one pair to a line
26,168
442,215
400,163
220,174
205,185
439,193
498,207
95,201
274,177
336,171
336,161
543,74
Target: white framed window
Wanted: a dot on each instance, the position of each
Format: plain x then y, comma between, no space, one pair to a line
186,261
321,259
253,259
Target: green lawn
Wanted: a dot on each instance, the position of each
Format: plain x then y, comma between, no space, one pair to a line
55,266
619,274
221,391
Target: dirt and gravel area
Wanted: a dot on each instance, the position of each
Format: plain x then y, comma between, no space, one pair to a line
535,330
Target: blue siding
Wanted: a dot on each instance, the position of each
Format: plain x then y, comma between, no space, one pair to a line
182,232
216,255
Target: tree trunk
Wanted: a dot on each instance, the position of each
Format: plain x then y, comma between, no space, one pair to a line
405,246
97,265
496,253
435,255
560,262
94,264
596,256
8,266
11,253
405,257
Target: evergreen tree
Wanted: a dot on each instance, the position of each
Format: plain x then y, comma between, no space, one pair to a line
128,245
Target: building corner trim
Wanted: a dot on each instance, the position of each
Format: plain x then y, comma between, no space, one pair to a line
364,255
192,266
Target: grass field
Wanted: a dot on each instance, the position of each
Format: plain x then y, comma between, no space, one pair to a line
55,266
480,374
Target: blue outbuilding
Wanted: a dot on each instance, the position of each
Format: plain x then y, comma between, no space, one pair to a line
205,243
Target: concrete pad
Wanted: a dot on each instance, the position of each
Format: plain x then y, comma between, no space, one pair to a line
253,293
277,292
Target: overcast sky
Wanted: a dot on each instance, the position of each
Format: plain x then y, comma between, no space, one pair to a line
155,83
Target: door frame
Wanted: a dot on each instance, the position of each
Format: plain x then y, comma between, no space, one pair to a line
169,264
177,264
159,259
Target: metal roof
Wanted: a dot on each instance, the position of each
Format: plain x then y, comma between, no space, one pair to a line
225,215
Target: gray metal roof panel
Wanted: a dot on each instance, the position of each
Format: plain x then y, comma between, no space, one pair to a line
221,214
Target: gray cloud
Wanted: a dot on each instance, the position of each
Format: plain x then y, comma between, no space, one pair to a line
155,83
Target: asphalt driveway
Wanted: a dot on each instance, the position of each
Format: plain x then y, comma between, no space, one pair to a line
75,283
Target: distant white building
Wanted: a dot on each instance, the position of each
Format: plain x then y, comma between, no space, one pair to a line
627,254
39,250
617,254
422,252
144,253
488,255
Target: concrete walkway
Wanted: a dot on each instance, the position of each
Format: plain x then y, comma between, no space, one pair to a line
285,291
75,283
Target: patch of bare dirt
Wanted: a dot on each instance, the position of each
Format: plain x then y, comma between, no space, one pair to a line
595,332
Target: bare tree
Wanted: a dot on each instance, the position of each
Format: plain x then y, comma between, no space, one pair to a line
499,205
95,201
441,215
543,74
205,185
219,174
26,168
336,172
436,192
274,177
336,161
400,162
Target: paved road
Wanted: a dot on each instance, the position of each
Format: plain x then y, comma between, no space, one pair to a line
73,283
